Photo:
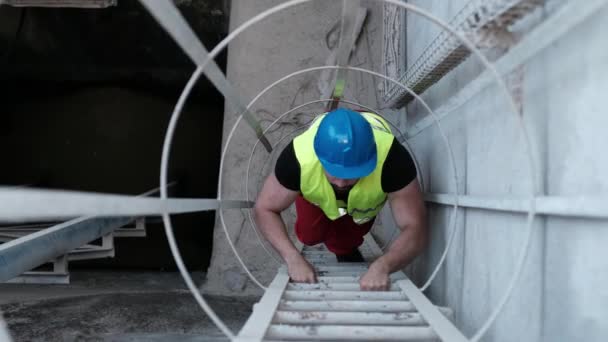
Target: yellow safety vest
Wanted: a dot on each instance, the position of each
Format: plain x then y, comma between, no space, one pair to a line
366,198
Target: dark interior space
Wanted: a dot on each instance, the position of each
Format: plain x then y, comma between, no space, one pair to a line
86,98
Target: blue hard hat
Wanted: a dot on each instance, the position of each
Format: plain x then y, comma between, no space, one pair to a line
345,144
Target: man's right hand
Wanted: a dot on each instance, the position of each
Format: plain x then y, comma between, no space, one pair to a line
299,270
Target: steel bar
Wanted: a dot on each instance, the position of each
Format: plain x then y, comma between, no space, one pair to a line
347,305
263,312
345,273
317,253
332,280
440,324
350,333
33,204
320,257
343,295
589,206
362,318
352,279
169,17
345,266
350,9
330,287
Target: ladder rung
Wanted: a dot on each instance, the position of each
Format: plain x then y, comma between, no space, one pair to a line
331,287
344,267
340,264
352,279
345,273
319,248
314,252
330,280
343,295
350,333
347,305
321,258
364,318
319,263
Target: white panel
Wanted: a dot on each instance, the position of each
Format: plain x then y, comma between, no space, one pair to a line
576,281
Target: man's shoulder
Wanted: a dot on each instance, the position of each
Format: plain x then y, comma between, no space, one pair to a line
287,168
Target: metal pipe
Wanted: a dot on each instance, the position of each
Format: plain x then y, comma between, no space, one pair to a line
37,204
32,250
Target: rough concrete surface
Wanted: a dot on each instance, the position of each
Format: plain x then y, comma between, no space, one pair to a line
116,307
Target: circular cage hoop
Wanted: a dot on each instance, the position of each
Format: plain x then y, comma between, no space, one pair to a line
454,213
279,118
182,99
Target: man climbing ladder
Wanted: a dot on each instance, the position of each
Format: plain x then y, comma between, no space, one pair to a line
340,172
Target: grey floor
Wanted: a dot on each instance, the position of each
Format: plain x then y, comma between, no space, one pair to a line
112,306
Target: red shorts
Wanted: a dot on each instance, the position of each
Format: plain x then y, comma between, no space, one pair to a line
341,236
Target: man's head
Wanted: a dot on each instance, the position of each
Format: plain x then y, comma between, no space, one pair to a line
345,145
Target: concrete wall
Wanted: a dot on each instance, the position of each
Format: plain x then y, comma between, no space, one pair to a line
560,296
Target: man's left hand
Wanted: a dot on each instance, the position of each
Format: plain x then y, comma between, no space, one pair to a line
376,278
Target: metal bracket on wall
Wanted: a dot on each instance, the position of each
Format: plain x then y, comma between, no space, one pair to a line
483,21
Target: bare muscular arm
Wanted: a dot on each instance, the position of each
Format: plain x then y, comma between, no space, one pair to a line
271,201
409,212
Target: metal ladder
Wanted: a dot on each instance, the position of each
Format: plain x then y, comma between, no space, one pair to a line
336,309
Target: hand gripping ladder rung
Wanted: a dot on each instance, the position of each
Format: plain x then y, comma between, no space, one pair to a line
336,309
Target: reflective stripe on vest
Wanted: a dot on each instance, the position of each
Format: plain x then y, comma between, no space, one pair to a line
366,198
